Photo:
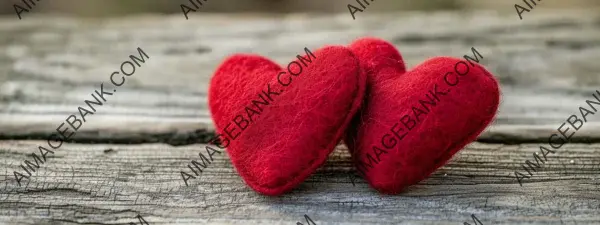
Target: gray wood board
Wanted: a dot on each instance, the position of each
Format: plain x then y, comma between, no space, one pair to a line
547,65
109,184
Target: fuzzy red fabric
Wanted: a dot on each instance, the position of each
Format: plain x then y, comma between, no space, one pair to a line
413,122
280,144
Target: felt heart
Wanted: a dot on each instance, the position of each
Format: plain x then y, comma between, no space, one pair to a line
277,125
413,122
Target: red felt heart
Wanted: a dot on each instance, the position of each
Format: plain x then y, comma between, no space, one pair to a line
277,145
413,122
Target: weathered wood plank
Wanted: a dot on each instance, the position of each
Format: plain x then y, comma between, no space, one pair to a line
108,184
547,64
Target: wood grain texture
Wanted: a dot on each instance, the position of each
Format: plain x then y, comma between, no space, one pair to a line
547,64
110,184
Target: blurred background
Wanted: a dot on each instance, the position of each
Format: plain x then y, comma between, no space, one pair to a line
123,7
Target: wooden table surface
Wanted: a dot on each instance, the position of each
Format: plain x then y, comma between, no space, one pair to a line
127,156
